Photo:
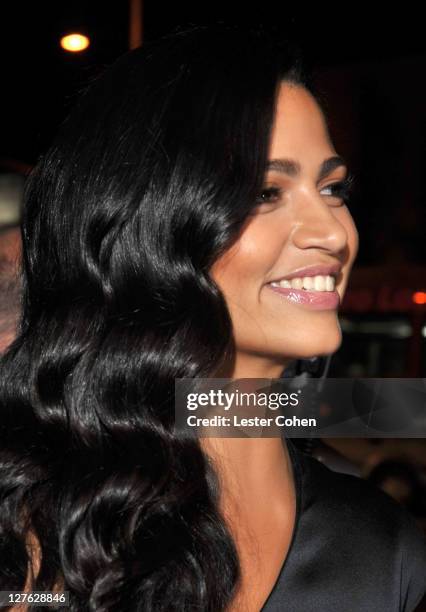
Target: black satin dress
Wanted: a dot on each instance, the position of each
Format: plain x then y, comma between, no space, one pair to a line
353,549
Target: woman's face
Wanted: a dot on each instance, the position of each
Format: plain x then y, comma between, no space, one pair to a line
302,223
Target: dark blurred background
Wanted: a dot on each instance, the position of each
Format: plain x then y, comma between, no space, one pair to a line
370,68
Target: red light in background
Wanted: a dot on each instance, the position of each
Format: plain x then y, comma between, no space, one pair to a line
419,297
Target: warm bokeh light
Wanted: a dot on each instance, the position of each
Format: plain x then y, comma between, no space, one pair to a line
419,297
74,42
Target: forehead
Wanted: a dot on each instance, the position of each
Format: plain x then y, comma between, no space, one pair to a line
299,128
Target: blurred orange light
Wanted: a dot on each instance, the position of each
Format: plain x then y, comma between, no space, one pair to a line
74,42
419,297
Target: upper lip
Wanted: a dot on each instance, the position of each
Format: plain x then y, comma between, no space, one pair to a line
314,270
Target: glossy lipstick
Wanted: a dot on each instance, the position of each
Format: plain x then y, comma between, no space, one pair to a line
316,300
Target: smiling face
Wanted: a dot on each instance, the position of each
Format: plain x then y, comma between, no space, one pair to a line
301,221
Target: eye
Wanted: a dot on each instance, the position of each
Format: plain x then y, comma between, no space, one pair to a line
268,195
343,189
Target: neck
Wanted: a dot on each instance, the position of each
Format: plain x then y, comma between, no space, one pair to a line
246,365
254,366
255,474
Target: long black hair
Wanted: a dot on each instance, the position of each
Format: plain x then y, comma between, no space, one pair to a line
148,181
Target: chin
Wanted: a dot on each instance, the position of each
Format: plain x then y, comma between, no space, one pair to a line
314,345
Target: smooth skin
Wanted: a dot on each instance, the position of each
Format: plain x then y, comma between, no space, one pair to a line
305,225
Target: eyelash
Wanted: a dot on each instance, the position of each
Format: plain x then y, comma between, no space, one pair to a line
343,190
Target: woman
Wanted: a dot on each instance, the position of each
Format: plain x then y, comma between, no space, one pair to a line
152,231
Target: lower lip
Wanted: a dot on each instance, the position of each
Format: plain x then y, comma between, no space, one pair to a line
315,300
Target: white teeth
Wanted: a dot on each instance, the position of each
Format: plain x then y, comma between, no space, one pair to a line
297,283
309,283
319,283
329,283
285,283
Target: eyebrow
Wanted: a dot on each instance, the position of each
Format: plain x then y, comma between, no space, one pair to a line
293,168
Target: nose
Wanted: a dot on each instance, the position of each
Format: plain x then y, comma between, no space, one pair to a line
317,226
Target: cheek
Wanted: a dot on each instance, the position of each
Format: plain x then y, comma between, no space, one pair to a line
247,263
